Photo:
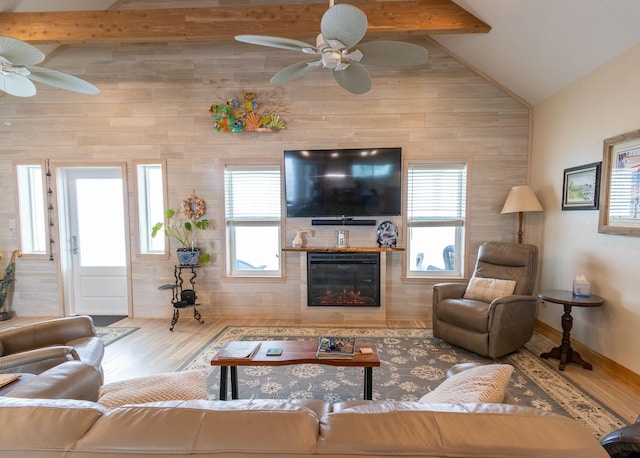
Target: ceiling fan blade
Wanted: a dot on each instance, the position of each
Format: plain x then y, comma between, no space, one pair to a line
274,42
355,78
19,53
344,23
61,80
17,85
293,72
392,54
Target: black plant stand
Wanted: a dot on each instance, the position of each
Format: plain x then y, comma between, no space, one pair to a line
182,298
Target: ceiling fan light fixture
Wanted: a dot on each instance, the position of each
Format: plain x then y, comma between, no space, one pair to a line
331,58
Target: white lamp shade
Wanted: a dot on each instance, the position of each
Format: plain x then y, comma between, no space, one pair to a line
521,199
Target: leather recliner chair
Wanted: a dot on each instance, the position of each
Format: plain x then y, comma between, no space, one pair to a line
623,442
37,347
493,328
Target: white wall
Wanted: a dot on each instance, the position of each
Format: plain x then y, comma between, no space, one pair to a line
568,130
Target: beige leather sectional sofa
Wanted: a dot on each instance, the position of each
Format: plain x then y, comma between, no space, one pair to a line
272,428
52,415
37,347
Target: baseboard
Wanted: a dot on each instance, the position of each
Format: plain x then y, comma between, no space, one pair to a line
621,373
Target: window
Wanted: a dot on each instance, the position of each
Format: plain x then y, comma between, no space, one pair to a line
253,219
436,218
151,199
31,207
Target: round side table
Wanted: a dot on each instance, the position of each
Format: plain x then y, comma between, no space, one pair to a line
564,352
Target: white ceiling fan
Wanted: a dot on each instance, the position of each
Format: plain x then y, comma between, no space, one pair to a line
342,27
18,70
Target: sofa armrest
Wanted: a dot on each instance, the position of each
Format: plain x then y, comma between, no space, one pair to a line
38,360
69,380
48,333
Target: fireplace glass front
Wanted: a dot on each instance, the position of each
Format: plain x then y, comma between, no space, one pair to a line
343,279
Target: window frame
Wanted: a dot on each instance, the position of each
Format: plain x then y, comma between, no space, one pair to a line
142,213
45,214
231,272
460,223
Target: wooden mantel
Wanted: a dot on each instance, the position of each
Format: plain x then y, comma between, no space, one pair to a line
202,24
345,250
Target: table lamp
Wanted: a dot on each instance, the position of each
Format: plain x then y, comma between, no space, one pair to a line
521,199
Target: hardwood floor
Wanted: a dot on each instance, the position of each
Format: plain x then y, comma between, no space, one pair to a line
153,349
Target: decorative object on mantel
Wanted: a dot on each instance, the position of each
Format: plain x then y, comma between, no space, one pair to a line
521,199
387,234
184,230
299,240
249,111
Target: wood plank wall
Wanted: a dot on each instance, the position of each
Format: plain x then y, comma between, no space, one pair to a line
154,104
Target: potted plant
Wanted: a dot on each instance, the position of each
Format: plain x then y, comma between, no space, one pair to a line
184,231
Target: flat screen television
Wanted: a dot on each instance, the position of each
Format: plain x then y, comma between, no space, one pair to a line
346,183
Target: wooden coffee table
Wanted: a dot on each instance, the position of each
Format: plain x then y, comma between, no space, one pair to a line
295,352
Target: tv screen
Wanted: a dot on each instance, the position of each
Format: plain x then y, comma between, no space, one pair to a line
343,182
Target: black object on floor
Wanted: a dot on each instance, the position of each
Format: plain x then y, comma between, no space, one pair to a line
106,320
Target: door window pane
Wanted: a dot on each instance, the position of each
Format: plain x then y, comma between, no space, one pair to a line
100,221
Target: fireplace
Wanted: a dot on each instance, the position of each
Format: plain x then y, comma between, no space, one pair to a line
343,279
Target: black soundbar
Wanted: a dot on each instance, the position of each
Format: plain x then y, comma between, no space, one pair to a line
343,222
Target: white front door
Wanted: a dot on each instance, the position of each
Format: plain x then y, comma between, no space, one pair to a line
93,240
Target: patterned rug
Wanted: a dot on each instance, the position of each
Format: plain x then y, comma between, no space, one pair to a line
110,335
413,362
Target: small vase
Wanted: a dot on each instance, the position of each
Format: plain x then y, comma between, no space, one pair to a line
298,241
188,256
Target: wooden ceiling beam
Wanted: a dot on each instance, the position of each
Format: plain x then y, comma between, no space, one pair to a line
202,24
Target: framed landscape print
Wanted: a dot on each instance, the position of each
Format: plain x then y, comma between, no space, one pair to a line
620,196
581,187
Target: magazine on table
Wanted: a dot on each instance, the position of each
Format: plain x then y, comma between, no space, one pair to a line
239,349
336,347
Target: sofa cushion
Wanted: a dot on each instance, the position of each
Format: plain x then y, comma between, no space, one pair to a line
180,386
478,384
488,289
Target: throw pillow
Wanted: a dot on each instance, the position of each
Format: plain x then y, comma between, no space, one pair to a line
478,384
170,386
488,289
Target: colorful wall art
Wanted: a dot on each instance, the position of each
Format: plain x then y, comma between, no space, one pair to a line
249,111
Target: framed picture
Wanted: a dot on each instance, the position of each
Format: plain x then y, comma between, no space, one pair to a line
620,195
581,187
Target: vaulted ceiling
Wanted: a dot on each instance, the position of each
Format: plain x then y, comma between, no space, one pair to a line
533,48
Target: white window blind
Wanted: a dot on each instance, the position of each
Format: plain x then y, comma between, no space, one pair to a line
436,194
252,193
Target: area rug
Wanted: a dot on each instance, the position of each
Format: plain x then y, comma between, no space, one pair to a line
110,335
413,363
106,320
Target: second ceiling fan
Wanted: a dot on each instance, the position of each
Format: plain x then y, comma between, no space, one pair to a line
342,27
